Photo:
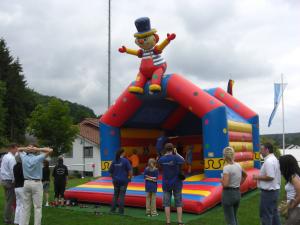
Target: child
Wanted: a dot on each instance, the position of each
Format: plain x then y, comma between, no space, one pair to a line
189,158
135,161
151,175
46,181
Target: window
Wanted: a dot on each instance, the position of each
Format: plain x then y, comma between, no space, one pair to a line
88,152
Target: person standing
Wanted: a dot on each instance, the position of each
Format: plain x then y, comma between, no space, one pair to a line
135,161
19,190
46,181
60,174
151,176
121,173
171,183
189,158
269,180
7,176
233,177
32,160
291,172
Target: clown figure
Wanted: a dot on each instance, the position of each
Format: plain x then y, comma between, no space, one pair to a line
152,66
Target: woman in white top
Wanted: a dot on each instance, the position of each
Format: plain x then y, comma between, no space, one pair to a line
291,172
233,177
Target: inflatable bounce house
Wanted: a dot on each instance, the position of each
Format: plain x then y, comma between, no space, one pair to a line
209,120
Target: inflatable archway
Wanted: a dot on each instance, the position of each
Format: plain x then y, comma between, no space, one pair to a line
208,119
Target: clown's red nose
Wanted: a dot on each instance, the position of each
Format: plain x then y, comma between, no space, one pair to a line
141,41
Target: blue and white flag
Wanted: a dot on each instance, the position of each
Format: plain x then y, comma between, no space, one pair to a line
278,91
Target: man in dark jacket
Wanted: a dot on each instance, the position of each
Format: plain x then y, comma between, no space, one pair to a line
19,189
60,174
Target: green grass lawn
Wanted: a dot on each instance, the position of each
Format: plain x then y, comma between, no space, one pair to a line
248,213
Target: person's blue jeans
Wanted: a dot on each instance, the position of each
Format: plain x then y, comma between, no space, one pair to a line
268,207
119,195
230,202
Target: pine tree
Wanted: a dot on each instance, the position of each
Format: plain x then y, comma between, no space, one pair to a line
16,100
3,139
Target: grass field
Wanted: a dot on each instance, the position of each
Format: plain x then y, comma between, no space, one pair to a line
248,213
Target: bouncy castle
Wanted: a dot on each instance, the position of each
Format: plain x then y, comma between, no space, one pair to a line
208,119
155,103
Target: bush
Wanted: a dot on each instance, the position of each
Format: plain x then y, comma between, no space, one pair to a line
76,174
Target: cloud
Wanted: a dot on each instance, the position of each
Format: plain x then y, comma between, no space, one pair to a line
63,47
217,63
205,17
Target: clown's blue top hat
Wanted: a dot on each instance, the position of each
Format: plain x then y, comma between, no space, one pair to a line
143,27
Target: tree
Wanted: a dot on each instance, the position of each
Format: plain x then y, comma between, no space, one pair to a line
78,112
52,125
276,150
3,140
17,99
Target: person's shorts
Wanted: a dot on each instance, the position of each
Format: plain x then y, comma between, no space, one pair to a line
46,186
167,195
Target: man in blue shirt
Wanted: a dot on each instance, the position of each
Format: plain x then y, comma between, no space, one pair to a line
171,183
121,173
32,163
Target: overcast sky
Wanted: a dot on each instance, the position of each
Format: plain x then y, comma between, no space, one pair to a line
62,46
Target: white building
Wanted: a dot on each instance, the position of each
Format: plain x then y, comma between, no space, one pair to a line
293,150
85,155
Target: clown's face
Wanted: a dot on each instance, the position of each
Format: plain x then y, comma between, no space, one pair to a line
146,43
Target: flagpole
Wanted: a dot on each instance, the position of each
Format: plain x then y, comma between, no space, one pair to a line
283,128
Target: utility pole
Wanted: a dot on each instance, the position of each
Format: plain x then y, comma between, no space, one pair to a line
109,43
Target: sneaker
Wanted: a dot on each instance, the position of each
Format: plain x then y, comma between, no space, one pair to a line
155,214
47,204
